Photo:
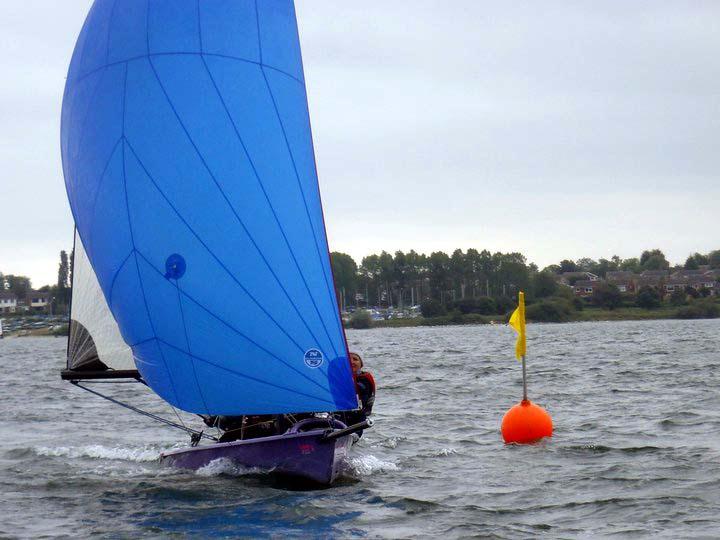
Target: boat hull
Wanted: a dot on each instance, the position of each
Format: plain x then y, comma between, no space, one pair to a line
303,455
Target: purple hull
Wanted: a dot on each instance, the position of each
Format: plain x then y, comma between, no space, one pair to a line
304,455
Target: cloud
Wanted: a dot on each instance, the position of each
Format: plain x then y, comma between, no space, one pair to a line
557,129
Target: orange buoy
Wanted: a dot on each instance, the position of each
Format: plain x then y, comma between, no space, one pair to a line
526,423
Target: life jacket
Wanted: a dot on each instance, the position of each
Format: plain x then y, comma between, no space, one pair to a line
367,377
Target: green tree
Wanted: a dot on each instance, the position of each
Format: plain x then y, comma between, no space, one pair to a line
692,291
439,273
368,277
691,263
18,285
694,261
568,266
606,295
62,294
544,284
587,264
401,276
654,259
678,297
415,271
714,259
648,298
604,266
361,319
344,271
387,274
432,308
630,265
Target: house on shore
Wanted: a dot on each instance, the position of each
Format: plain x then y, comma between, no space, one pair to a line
662,280
8,302
37,301
33,301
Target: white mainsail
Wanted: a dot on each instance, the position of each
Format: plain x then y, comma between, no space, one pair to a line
95,341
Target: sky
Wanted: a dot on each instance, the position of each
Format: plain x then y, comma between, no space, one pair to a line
555,129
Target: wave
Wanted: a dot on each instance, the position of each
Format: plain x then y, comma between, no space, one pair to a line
367,465
227,467
602,449
141,454
390,442
443,452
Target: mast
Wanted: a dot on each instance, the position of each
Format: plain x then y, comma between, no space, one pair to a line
72,283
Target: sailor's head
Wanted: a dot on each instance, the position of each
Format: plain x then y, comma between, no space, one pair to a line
356,362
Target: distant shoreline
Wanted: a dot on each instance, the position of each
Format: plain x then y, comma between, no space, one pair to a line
586,315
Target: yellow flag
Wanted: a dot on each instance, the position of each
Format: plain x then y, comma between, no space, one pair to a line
517,321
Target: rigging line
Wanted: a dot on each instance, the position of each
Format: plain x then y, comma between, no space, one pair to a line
272,209
132,239
238,332
302,191
93,71
212,254
233,210
237,373
178,416
145,413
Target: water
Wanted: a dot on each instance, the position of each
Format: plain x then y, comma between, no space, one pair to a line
636,451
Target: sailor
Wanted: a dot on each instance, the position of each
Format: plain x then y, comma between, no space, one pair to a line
365,388
364,384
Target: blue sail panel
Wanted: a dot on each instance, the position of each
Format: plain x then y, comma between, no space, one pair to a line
189,167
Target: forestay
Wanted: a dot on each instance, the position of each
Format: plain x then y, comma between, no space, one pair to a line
189,166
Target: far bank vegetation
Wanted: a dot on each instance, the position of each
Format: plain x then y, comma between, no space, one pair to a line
476,287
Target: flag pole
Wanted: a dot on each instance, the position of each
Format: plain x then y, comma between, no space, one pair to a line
525,398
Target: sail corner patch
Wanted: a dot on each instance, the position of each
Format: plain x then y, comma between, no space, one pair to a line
313,358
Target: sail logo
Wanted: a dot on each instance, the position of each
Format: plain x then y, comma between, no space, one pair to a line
313,358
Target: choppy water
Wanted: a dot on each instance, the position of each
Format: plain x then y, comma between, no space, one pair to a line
636,451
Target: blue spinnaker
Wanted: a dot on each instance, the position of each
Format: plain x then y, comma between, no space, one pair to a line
190,170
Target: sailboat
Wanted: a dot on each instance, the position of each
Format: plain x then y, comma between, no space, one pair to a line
202,268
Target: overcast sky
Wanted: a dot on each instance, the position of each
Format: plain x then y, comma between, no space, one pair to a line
557,129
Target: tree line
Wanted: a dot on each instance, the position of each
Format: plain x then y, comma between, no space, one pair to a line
410,278
404,279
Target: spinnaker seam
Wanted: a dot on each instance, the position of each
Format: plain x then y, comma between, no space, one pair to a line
149,56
